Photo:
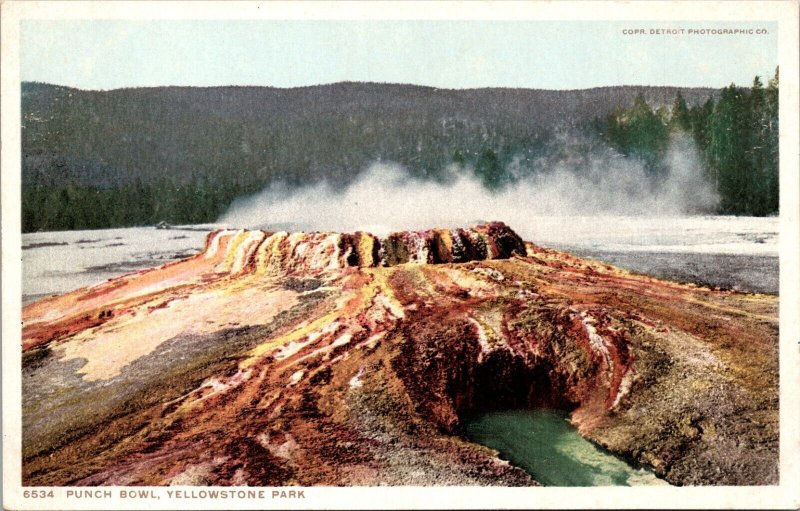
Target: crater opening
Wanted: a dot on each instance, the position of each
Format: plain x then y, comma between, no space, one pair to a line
523,412
503,381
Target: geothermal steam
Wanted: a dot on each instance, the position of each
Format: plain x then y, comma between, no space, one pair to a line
385,198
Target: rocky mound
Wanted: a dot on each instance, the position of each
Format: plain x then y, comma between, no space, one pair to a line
348,359
310,253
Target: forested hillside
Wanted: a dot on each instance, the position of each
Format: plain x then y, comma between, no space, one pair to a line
95,159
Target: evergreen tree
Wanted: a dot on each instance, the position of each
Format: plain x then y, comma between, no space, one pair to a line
681,118
728,153
756,154
640,132
488,169
700,120
770,143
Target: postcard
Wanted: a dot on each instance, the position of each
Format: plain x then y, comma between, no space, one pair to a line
343,255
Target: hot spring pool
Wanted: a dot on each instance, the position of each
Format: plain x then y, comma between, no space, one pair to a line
543,443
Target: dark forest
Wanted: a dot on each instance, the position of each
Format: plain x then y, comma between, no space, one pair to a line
97,159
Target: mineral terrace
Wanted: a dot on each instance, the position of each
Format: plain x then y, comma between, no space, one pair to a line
348,359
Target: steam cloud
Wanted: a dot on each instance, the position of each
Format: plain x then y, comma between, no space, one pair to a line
385,198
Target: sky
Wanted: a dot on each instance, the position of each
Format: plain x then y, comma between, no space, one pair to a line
109,54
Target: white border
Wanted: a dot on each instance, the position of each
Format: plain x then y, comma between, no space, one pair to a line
785,495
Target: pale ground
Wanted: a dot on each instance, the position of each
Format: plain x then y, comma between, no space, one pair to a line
729,252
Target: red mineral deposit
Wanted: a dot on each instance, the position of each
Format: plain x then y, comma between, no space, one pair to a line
349,359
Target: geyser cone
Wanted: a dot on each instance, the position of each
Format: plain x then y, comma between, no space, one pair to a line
348,359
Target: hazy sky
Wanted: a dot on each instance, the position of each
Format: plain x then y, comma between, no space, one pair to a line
453,54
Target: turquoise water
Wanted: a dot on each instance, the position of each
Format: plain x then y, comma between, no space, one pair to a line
543,443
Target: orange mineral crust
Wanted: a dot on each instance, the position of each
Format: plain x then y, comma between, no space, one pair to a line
349,359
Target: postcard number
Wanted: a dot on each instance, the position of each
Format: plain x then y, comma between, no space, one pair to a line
38,494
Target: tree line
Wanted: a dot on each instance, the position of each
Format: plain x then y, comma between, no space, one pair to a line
737,136
96,159
74,206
